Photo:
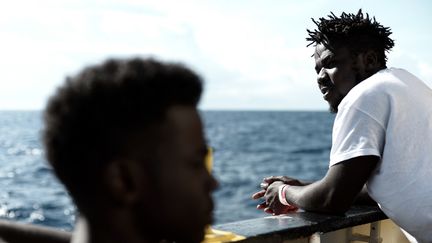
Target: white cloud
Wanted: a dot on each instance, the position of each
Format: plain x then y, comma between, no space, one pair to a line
251,53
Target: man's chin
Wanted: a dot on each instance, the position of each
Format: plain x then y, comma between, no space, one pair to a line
333,110
333,106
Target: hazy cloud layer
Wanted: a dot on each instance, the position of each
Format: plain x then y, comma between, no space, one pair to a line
252,54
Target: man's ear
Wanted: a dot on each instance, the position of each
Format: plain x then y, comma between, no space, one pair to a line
370,61
124,181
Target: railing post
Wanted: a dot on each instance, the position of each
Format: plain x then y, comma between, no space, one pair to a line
375,230
373,237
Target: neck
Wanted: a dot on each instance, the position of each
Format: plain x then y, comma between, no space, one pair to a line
368,73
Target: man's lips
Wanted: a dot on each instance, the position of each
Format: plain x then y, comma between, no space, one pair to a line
325,91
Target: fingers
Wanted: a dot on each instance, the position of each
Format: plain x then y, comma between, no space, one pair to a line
269,190
268,210
272,179
259,194
293,209
283,210
262,205
269,179
265,208
284,179
264,185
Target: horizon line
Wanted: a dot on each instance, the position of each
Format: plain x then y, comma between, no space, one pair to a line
207,109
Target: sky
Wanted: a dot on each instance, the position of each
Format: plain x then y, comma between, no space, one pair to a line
252,54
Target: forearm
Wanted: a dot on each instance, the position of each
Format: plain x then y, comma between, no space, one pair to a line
363,198
337,191
314,197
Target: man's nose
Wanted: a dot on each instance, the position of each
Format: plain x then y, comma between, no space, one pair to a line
321,76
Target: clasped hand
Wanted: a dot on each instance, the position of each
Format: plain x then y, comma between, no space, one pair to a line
270,190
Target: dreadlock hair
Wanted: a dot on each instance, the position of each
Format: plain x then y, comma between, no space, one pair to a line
355,31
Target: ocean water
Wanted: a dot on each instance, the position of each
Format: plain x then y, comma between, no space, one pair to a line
248,146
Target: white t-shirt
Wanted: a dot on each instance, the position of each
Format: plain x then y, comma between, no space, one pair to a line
390,115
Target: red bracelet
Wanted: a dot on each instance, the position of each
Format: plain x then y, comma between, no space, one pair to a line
282,195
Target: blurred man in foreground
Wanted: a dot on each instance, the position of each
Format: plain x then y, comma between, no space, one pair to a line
126,139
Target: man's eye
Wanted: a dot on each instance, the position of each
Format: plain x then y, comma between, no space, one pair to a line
330,64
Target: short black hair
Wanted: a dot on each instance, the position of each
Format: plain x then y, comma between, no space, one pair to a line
91,117
356,31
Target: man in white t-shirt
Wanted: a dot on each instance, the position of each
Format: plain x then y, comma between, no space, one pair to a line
382,134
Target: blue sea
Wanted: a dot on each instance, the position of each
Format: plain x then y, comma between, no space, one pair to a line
248,146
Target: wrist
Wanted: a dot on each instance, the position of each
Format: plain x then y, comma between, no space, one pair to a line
282,195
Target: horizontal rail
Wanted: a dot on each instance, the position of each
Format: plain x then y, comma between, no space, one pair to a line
300,224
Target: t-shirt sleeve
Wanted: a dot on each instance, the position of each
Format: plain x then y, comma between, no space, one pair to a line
356,133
